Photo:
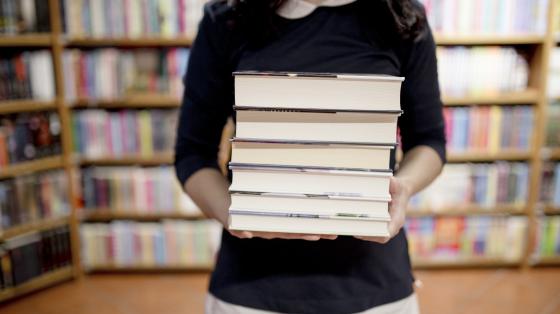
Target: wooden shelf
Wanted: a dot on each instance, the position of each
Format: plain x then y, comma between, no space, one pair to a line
529,97
551,153
26,167
486,156
21,105
129,42
104,214
551,210
425,263
154,160
43,281
40,225
26,40
466,40
132,101
151,268
469,210
548,261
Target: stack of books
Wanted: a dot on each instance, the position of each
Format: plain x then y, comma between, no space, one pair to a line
312,152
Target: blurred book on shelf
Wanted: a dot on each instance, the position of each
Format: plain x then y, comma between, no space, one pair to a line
466,238
27,75
31,255
488,128
554,73
105,134
24,16
487,17
553,125
108,74
482,184
149,190
170,243
550,184
32,198
489,70
132,18
548,237
28,136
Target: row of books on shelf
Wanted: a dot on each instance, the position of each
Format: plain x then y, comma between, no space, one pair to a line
101,133
483,184
548,236
552,126
33,198
33,254
550,184
25,75
171,243
24,16
134,189
132,18
29,135
460,238
487,17
114,73
465,71
488,128
554,73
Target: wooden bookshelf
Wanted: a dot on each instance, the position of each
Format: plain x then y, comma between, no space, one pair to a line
149,268
27,167
41,282
422,263
109,214
154,160
548,261
498,40
554,153
526,97
40,225
132,101
470,210
551,210
26,40
23,105
129,42
489,157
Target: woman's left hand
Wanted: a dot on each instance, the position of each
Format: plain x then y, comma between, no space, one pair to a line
400,194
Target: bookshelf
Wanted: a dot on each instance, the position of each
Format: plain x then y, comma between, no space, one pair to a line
136,101
12,106
41,282
41,225
487,156
128,42
150,269
526,97
499,40
464,263
153,160
105,214
464,210
27,40
27,167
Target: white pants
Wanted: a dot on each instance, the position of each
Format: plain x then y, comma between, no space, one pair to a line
408,305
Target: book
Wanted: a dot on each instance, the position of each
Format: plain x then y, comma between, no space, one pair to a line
548,236
310,153
319,126
27,75
550,184
317,180
24,16
317,91
554,73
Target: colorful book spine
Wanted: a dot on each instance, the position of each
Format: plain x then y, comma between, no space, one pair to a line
488,129
481,184
466,238
27,75
550,184
171,243
548,236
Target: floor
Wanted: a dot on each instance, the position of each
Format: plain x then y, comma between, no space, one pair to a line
448,291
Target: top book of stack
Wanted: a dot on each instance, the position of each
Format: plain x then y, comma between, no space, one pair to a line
318,91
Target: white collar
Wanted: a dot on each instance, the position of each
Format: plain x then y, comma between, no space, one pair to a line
296,9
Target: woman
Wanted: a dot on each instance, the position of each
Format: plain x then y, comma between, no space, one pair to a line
298,273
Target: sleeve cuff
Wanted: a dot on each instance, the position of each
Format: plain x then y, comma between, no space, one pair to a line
186,167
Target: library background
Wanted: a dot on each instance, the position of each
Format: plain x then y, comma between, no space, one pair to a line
76,194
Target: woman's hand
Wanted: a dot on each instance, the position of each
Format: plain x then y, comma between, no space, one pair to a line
280,235
400,194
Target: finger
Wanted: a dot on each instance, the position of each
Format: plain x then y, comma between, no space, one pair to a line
329,236
381,240
241,234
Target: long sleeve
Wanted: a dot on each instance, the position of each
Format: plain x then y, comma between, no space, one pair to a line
422,122
207,101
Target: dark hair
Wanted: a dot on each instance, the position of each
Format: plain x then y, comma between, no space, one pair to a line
405,19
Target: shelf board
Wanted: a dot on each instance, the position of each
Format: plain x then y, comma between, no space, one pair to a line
43,281
548,261
104,214
486,156
154,160
434,263
26,40
32,166
529,97
551,210
150,268
129,42
551,153
40,225
468,210
131,101
21,105
469,40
